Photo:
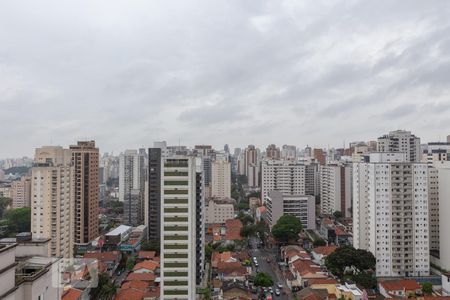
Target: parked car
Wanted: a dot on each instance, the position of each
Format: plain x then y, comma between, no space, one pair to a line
277,292
280,286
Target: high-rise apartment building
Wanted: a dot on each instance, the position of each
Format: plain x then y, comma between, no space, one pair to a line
250,157
335,189
285,176
273,152
319,156
401,141
52,211
312,183
131,186
391,217
21,192
443,169
289,152
221,179
180,239
85,160
153,195
301,206
253,176
436,152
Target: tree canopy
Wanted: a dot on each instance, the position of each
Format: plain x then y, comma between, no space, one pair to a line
362,260
287,228
427,288
19,220
347,256
263,279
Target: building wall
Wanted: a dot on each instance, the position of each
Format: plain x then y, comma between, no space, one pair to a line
218,213
85,159
21,192
288,177
390,204
52,207
401,141
178,228
221,179
303,207
444,221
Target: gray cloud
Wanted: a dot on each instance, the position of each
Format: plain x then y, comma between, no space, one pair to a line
237,72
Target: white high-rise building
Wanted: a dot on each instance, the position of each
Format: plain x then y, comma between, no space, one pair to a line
335,189
390,215
52,199
180,231
401,141
221,179
439,178
131,185
285,176
289,152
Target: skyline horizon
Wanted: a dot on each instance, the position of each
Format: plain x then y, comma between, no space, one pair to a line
345,144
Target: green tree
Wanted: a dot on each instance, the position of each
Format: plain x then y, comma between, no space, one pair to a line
365,279
347,256
150,246
319,242
427,288
243,205
208,251
287,228
4,203
130,263
337,214
245,218
248,230
263,279
19,220
105,289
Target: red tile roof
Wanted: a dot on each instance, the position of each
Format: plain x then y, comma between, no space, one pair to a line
305,267
147,264
340,232
130,294
146,254
136,284
235,268
233,228
141,276
399,285
322,281
72,294
103,256
325,250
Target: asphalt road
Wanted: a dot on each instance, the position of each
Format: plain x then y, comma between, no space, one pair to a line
271,268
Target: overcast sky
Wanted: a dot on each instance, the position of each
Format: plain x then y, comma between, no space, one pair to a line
127,73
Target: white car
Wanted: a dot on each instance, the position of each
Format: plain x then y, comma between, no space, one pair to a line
280,286
277,292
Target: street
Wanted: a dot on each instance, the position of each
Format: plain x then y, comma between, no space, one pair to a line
271,268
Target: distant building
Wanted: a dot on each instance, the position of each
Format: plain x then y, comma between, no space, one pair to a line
273,152
52,211
21,192
401,141
131,186
221,179
218,213
319,155
253,176
336,189
300,206
85,160
289,152
285,176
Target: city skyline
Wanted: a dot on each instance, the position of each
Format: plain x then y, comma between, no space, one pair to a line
268,72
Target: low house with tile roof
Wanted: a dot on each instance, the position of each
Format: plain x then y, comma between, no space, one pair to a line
402,288
141,277
217,257
320,253
146,266
235,290
328,284
111,259
303,270
73,294
233,230
232,271
144,255
292,253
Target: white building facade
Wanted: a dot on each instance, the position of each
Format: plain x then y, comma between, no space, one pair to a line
390,209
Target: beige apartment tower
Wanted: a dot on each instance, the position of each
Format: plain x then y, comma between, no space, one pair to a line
52,199
221,179
85,160
21,192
